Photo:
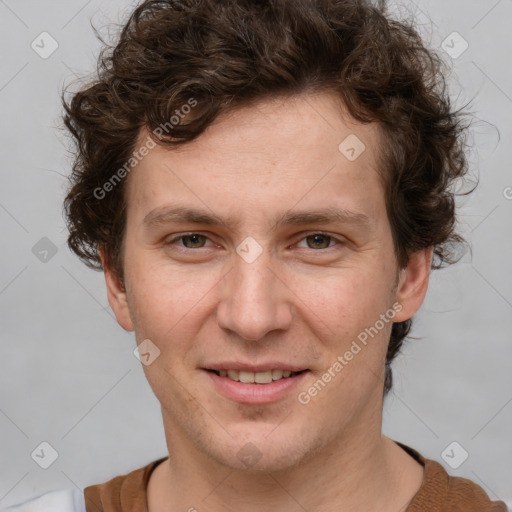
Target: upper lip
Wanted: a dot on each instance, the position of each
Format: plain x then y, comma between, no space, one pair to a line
255,368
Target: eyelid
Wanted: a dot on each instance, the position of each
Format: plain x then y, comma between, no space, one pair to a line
336,238
175,238
303,235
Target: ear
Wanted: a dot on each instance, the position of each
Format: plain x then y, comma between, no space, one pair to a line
116,295
413,284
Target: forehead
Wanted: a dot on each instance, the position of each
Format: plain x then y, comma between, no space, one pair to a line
292,147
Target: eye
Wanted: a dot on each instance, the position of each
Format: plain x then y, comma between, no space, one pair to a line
319,240
196,240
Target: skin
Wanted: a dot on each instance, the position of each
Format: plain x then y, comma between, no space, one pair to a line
303,300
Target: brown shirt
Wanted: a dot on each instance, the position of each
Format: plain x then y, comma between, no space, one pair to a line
439,491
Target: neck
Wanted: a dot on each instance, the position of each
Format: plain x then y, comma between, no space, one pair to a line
361,470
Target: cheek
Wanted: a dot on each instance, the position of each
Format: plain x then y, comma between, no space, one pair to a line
167,303
346,299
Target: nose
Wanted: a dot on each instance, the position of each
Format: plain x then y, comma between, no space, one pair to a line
254,299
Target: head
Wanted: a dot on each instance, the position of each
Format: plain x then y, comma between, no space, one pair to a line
277,110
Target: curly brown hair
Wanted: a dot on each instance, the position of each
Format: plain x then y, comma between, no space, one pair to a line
230,53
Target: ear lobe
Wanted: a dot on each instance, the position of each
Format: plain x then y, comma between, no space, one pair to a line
116,295
413,283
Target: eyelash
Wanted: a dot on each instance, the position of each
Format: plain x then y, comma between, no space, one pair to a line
327,235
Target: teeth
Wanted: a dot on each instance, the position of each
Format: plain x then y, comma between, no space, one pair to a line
234,375
247,377
265,377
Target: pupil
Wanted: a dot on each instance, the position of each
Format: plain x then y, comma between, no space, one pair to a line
317,237
193,238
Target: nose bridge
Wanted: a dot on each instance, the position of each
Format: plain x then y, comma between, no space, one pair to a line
254,301
253,280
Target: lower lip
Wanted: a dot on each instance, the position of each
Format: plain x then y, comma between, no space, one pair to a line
255,394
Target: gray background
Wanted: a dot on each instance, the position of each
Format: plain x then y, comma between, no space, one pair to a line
68,373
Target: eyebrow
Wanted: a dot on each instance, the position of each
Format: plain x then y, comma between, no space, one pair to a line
166,215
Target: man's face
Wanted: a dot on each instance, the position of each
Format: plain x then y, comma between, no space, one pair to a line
255,294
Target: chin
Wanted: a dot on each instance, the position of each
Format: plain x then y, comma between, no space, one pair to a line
258,451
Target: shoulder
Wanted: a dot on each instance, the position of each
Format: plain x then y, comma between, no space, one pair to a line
124,492
462,490
442,492
461,494
64,500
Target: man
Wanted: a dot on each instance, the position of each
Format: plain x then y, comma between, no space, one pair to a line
267,186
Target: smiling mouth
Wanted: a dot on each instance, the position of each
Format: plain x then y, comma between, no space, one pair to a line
265,377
